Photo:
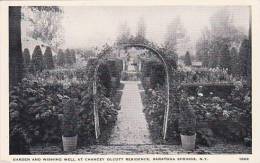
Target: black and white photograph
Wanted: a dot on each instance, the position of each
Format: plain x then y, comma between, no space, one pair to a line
130,80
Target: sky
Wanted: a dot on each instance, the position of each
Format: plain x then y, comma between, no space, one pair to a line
89,26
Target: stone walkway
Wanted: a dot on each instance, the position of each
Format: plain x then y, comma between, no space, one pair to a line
131,126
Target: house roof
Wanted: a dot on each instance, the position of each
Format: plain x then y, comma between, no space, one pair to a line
197,63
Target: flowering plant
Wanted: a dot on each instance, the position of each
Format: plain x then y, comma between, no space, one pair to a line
187,120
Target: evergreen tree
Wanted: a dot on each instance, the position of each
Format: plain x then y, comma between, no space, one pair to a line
48,60
73,55
245,59
26,58
234,61
37,63
225,58
187,59
68,57
124,34
60,58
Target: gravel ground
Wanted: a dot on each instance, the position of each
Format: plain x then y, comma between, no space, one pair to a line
131,126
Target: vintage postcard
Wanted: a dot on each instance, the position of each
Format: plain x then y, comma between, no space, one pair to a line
129,81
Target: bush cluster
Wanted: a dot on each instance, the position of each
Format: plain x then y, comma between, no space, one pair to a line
39,61
115,67
152,74
226,119
37,111
66,58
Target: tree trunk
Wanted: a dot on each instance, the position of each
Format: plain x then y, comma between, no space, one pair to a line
15,46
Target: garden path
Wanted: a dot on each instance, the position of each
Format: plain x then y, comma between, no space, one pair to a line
131,126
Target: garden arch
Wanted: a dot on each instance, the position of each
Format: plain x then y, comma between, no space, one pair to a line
160,56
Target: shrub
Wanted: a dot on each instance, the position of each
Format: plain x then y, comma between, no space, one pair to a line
115,67
48,60
157,75
70,119
120,64
187,120
60,58
187,59
229,120
103,75
36,109
19,142
73,55
37,64
172,61
68,57
105,79
155,70
245,58
26,57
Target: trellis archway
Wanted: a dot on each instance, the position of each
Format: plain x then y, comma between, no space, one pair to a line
160,56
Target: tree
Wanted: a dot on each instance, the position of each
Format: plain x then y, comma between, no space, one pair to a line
212,47
223,33
245,59
187,59
234,61
124,34
48,59
225,61
174,35
141,31
37,64
73,55
203,47
45,24
26,58
60,58
15,46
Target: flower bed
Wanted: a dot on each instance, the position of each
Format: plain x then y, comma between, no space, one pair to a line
36,110
226,119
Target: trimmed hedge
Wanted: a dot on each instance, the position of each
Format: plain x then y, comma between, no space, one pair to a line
115,67
152,74
104,77
26,58
48,59
60,58
37,63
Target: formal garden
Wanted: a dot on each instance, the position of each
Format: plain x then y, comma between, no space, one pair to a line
69,100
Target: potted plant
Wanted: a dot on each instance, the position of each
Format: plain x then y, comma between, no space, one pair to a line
187,124
69,126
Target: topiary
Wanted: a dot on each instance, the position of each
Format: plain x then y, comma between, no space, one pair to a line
68,57
37,63
26,57
157,75
48,60
187,59
60,58
115,70
73,55
104,79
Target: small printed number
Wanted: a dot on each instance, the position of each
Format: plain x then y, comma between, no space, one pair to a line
243,159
